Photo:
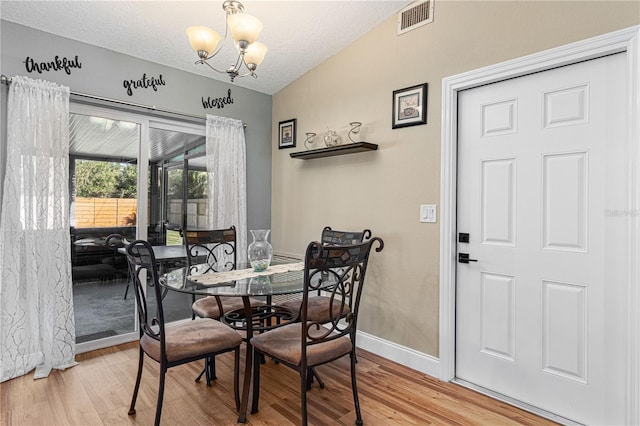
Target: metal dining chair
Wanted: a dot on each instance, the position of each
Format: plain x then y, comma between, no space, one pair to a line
306,344
322,308
173,344
216,248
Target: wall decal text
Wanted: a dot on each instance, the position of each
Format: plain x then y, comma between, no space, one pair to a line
143,83
58,64
217,102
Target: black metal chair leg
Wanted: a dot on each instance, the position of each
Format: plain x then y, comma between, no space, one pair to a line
309,378
256,382
314,374
236,378
354,388
193,300
212,367
163,372
207,371
303,395
132,408
204,370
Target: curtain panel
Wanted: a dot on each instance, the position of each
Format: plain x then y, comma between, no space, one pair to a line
227,178
37,327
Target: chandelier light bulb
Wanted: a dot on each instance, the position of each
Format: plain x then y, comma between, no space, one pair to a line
203,39
254,54
244,28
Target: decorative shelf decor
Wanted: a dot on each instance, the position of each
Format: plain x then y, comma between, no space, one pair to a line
331,151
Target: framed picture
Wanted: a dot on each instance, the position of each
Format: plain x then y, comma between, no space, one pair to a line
287,134
409,106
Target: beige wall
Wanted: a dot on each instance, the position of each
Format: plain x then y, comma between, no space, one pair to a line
382,190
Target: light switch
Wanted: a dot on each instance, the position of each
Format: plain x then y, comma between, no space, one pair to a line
427,213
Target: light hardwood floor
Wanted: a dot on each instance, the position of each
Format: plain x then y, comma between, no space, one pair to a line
98,392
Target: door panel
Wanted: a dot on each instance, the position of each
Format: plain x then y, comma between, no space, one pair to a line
538,316
104,201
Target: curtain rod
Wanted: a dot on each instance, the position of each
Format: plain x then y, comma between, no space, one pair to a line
7,80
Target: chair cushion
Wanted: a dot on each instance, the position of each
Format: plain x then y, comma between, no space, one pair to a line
207,307
192,339
317,308
284,343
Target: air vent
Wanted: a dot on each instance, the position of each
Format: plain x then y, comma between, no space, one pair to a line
415,15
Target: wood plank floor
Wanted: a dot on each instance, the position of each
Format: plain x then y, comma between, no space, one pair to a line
98,392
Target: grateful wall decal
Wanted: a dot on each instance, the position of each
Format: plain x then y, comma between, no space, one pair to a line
143,83
58,64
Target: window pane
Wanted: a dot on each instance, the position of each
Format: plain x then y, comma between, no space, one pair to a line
104,198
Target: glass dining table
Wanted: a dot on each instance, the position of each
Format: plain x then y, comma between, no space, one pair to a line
279,279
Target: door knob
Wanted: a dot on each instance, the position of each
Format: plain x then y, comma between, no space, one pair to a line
464,258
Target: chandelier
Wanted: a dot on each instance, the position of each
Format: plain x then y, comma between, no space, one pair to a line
244,30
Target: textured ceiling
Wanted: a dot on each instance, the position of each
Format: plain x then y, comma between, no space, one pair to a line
299,34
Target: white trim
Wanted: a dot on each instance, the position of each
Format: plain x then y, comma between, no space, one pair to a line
625,40
401,354
287,254
93,345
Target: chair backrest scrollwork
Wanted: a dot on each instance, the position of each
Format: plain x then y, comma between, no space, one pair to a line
144,273
343,267
214,247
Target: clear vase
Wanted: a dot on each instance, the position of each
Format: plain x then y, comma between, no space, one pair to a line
260,250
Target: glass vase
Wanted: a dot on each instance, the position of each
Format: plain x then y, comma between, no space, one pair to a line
332,138
260,250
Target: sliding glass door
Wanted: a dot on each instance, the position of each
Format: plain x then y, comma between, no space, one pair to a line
129,176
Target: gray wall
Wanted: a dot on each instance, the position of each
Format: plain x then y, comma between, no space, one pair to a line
102,74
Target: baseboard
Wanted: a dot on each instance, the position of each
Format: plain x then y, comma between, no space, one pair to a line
413,359
295,256
402,355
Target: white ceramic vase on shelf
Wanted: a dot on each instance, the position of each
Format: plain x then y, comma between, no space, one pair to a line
260,250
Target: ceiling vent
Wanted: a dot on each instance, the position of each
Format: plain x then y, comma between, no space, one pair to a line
415,15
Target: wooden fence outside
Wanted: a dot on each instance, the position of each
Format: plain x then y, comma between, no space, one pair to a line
105,212
114,212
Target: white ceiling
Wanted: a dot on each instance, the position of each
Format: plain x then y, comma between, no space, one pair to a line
299,34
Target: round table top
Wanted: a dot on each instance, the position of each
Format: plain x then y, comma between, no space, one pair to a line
288,282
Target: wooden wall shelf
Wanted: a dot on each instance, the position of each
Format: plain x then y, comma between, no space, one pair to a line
350,148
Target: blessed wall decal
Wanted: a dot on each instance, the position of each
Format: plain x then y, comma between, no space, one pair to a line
56,65
143,83
217,102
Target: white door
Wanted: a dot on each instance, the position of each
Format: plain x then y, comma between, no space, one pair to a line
541,183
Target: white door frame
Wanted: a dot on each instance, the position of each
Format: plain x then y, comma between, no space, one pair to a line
627,40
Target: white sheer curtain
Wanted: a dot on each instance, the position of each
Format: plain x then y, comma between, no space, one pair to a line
227,178
37,328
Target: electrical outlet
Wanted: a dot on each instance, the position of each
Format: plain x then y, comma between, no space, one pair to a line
428,213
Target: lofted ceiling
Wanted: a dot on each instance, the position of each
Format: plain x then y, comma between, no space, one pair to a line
299,34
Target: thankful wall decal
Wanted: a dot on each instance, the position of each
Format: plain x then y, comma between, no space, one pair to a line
56,65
